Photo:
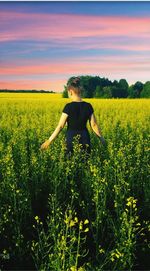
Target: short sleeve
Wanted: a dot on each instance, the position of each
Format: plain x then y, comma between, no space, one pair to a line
66,109
91,110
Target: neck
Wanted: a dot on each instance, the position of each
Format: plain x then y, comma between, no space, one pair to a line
76,99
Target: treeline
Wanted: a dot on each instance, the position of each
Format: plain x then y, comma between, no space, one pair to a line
97,87
27,91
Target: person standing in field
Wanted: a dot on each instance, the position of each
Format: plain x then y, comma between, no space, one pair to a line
76,114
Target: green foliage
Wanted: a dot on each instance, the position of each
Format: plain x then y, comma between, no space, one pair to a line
115,91
145,93
135,90
123,86
99,92
95,86
65,93
74,213
131,91
107,92
26,91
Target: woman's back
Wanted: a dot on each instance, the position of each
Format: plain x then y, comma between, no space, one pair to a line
78,114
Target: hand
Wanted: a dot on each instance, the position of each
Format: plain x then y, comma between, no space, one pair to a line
45,145
102,140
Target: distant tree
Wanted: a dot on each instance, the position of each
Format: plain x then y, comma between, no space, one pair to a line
119,89
145,93
138,86
123,85
92,82
89,84
115,91
105,82
99,92
131,92
115,83
87,91
65,92
134,91
96,86
107,92
26,91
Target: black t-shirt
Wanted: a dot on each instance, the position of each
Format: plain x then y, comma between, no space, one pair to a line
78,114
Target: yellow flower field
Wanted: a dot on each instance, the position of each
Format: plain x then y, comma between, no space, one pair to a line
64,214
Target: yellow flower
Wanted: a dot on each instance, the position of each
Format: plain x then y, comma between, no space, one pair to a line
81,225
76,219
62,257
86,230
131,202
81,269
101,251
37,218
86,222
115,204
67,220
73,268
72,223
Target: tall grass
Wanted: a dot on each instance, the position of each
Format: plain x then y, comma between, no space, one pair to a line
60,213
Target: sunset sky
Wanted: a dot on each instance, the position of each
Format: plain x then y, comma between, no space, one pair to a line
42,44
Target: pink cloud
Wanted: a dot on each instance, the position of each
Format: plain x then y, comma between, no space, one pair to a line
75,65
66,26
58,85
112,67
55,85
77,32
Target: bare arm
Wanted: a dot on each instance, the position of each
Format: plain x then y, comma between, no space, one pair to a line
96,129
94,125
59,127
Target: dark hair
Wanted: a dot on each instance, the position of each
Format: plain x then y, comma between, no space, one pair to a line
75,84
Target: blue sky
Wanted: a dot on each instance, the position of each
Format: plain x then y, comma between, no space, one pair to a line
44,43
92,7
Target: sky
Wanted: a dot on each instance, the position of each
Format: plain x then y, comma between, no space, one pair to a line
42,44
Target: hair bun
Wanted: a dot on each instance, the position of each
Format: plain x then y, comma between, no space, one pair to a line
76,81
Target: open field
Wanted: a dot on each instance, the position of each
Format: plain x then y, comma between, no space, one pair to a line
76,214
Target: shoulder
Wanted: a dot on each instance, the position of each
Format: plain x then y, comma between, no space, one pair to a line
87,103
66,108
67,105
90,105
